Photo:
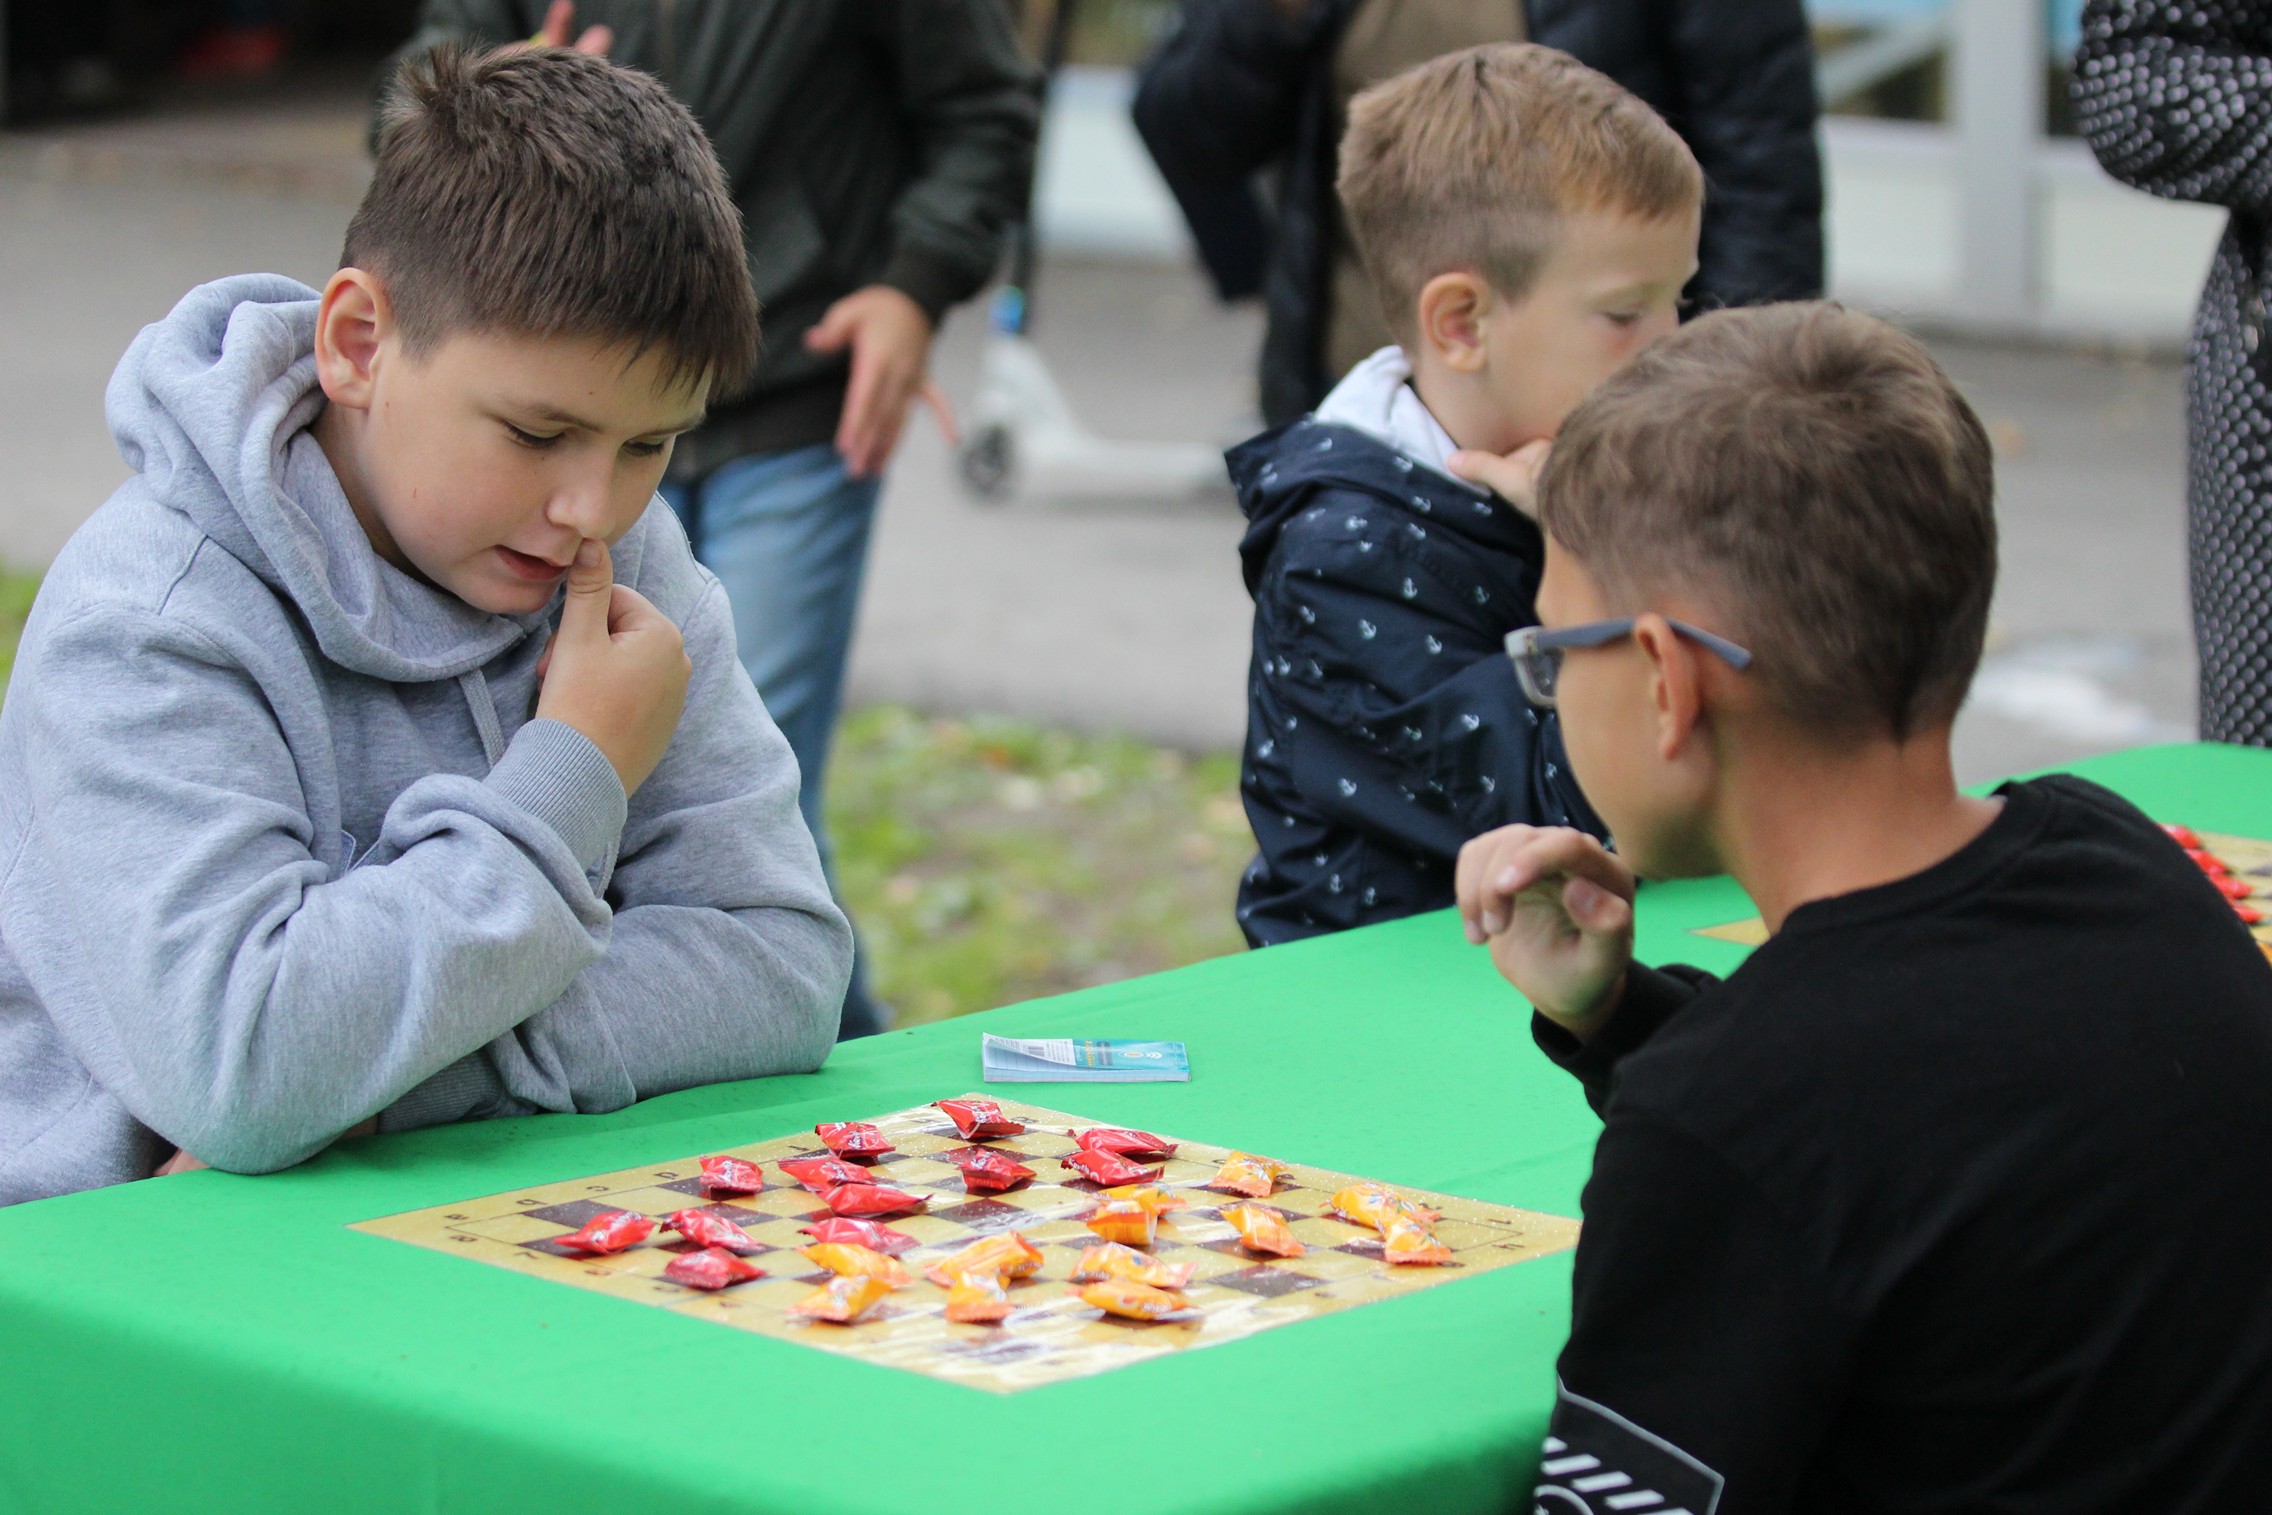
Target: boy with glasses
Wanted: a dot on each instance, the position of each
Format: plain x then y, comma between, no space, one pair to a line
1532,225
1955,1195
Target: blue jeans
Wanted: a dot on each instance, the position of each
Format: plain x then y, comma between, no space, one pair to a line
787,534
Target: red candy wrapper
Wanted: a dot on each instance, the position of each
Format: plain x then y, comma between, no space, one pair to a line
611,1232
1122,1142
711,1268
869,1200
2234,888
852,1138
731,1175
2207,862
979,1120
707,1230
821,1174
2249,914
985,1172
1105,1169
874,1235
2184,836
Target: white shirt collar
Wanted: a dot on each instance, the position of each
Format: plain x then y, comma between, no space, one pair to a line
1377,398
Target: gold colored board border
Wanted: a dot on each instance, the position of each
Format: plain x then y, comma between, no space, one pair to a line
2246,856
1050,1335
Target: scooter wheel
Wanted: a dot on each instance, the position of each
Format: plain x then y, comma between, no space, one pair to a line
986,463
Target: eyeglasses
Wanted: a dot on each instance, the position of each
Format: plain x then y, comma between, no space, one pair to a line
1537,652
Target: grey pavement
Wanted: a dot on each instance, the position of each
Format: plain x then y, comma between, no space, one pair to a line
1102,614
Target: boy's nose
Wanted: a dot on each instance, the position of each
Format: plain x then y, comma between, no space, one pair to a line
584,508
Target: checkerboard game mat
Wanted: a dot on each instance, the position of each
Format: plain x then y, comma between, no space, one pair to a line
1051,1334
2249,859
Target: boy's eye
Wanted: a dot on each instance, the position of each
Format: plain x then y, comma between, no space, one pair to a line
530,438
1622,317
644,449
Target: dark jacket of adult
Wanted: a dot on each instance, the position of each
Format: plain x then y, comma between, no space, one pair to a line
2177,101
1384,723
866,141
1239,88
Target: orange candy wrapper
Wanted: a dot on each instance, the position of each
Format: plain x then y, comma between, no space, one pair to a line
711,1268
852,1138
1124,1221
1263,1230
844,1299
872,1234
1122,1142
1007,1255
985,1171
977,1299
1104,1169
867,1201
707,1230
731,1175
1112,1260
1117,1296
1407,1242
1151,1196
610,1231
821,1174
1255,1177
978,1120
1375,1205
848,1260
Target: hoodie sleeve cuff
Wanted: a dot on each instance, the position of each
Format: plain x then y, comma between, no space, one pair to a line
1652,997
557,774
927,280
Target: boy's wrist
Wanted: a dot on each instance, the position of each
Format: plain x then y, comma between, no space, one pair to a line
1586,1023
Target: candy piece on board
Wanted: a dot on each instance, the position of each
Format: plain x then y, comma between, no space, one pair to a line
2207,862
1255,1177
850,1260
711,1268
852,1138
2234,888
1405,1241
1375,1205
611,1231
1112,1260
707,1230
1151,1196
1122,1142
985,1171
977,1299
2184,836
1104,1169
843,1299
2248,913
979,1119
1124,1221
1134,1301
867,1201
731,1175
1263,1230
821,1174
872,1234
1007,1253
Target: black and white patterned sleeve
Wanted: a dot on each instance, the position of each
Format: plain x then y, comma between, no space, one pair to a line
2176,100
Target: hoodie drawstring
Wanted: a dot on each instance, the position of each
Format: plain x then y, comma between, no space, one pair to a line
476,690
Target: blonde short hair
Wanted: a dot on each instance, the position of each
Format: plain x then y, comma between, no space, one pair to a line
1469,161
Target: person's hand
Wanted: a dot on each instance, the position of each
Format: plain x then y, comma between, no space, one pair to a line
1513,476
890,339
596,40
616,670
180,1162
1556,908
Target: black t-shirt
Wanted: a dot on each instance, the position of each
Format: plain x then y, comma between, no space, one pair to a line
1957,1196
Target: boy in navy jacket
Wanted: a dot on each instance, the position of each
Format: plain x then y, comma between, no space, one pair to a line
1529,226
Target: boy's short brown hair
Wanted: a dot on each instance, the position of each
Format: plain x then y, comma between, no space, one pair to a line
1469,161
1812,473
544,192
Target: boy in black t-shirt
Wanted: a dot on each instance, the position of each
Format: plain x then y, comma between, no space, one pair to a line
1957,1196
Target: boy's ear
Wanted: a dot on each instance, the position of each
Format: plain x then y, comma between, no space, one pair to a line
351,324
1451,311
1675,685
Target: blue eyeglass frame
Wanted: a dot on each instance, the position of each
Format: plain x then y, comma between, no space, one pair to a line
1530,646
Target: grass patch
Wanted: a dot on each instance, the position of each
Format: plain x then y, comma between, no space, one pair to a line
16,591
989,861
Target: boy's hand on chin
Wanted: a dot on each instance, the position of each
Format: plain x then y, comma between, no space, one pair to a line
616,670
1556,908
1513,476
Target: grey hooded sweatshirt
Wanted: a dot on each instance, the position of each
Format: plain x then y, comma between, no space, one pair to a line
281,847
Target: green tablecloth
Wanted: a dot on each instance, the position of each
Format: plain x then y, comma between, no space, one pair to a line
210,1342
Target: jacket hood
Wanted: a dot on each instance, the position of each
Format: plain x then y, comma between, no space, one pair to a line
211,406
1282,472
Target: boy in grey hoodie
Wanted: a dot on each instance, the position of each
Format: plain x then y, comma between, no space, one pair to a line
379,756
